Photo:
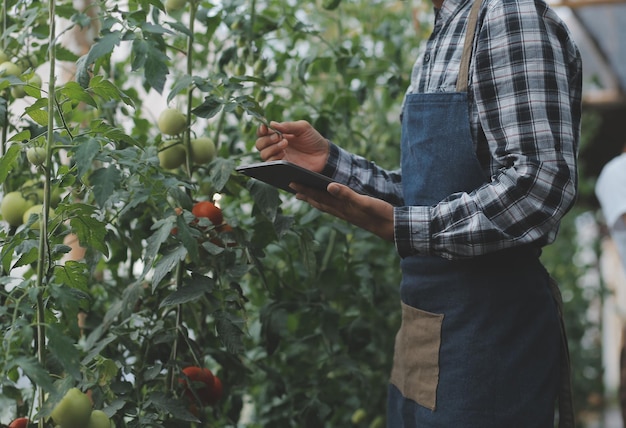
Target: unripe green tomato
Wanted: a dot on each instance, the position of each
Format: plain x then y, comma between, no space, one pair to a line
172,122
99,419
259,66
7,68
174,5
172,155
12,207
36,155
37,210
19,91
202,150
3,56
378,422
73,411
29,61
358,416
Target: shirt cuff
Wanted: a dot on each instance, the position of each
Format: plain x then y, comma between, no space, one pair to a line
339,164
412,230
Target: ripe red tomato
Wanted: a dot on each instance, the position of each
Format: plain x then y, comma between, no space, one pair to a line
19,423
208,210
202,382
215,394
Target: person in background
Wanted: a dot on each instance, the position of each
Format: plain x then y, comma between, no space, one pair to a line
490,131
611,192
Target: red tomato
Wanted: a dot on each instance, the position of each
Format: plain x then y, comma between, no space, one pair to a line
202,381
215,394
19,423
208,210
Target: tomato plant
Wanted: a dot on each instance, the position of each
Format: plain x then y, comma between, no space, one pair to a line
152,254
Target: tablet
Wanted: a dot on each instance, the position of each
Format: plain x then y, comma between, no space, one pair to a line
280,173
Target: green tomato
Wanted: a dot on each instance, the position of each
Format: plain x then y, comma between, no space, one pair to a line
35,210
36,155
29,61
172,122
12,207
172,155
19,91
99,419
358,416
73,411
378,422
7,68
3,56
174,5
202,150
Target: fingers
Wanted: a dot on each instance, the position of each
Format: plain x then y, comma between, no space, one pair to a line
270,143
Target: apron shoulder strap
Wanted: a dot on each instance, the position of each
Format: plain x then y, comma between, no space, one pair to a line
462,80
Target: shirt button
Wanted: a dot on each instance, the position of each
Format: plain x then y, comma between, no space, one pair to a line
427,57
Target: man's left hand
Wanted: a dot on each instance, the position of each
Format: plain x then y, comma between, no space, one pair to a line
374,215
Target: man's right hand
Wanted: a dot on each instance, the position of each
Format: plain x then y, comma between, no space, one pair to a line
300,144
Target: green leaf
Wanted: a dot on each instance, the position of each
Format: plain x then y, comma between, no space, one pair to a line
64,54
182,83
163,229
76,92
8,161
86,152
192,290
21,136
108,91
65,351
103,46
39,116
73,274
266,198
229,332
90,230
155,69
176,408
105,181
211,106
34,371
167,263
220,171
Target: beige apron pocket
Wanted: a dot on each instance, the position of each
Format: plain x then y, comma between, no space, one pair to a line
415,370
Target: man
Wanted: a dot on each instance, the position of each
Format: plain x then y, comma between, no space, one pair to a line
490,132
611,192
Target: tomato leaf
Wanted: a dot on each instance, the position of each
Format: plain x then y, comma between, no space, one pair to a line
73,274
177,408
103,46
87,150
105,181
167,263
265,197
155,69
65,351
90,230
229,332
8,161
211,106
194,288
34,370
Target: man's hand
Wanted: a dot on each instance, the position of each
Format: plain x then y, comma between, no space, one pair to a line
371,214
296,142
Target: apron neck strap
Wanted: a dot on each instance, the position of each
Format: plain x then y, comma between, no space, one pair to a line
462,80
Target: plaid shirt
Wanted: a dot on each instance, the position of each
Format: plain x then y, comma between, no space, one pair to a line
525,89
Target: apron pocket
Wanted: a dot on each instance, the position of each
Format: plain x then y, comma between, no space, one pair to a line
415,370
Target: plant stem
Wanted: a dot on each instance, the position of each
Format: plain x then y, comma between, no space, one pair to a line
44,218
180,269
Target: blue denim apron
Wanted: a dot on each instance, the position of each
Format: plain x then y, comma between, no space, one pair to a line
480,340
